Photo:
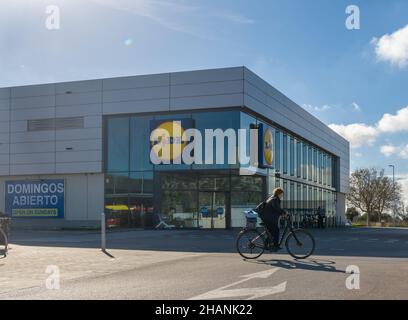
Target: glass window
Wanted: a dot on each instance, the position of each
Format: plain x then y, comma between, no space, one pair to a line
310,163
245,123
298,159
217,120
304,160
277,158
314,165
247,183
118,145
285,153
139,143
214,183
292,156
178,181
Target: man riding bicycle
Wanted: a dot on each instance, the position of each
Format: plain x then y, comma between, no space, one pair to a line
270,211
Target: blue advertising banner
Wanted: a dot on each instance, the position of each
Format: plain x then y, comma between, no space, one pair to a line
35,198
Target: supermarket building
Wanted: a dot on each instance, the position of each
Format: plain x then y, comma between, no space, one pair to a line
70,151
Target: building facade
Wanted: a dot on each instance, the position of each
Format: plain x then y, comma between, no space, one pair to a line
70,151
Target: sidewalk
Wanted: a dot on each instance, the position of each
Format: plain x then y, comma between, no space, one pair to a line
25,266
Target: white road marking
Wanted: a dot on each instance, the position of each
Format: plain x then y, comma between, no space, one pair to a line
253,293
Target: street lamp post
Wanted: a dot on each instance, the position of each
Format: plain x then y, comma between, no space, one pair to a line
393,186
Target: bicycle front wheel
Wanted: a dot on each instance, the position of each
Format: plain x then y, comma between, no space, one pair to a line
250,244
300,244
3,243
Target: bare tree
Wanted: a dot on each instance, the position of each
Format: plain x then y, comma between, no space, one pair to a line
372,192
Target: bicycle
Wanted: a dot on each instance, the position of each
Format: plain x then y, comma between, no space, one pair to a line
255,241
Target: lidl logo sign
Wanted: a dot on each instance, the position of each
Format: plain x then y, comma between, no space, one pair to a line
266,147
166,139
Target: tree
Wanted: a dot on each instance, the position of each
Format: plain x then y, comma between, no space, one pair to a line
351,213
372,192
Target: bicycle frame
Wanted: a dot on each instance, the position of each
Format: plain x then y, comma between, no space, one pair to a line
286,232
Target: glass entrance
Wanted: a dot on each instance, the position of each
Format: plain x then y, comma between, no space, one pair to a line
213,206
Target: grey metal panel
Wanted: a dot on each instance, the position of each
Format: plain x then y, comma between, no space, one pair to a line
18,126
32,136
79,98
223,74
78,86
31,158
4,115
4,170
136,106
5,93
4,127
33,90
4,159
142,81
34,168
79,134
5,148
5,104
32,102
79,145
31,114
205,89
216,101
79,110
93,121
136,94
32,147
79,156
79,167
4,137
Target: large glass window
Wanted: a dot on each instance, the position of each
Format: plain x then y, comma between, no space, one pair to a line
277,158
118,145
139,143
285,153
292,156
298,159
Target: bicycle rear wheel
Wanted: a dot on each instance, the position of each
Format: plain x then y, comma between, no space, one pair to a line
3,243
250,244
300,244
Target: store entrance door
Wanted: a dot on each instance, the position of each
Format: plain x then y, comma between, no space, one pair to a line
213,209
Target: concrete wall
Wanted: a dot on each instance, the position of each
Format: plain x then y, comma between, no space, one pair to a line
84,201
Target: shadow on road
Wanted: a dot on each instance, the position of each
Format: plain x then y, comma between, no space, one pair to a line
308,264
359,242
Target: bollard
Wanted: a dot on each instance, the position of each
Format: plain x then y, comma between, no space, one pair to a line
103,232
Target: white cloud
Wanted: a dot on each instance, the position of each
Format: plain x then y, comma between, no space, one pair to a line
388,150
317,108
394,123
355,106
359,134
400,151
393,47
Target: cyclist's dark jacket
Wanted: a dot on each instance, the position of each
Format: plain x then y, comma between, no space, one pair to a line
272,209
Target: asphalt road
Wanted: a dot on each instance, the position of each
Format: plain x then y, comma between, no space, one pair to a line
206,266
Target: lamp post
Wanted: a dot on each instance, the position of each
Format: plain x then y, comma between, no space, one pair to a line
393,186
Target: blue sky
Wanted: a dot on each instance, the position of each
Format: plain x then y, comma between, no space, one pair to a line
347,78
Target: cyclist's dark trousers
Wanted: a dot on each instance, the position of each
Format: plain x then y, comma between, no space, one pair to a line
273,228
